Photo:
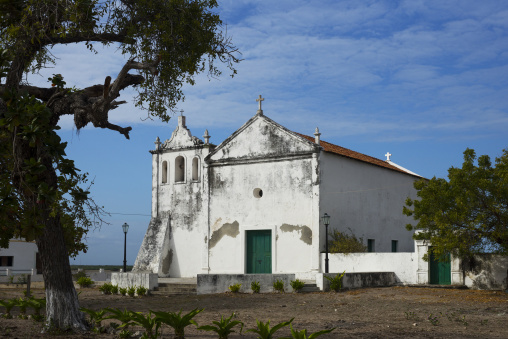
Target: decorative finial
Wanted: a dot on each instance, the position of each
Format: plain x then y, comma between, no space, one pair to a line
316,136
388,155
157,144
260,111
206,137
181,112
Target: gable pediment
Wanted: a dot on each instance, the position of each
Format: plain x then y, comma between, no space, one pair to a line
260,138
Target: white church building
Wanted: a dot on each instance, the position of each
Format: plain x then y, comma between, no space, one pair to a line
253,204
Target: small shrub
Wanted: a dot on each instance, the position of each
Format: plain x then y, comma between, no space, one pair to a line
264,331
114,289
297,285
96,317
235,288
141,291
22,304
22,279
123,290
10,279
177,322
80,274
336,282
37,305
278,286
295,334
85,282
8,304
341,242
255,286
106,288
223,328
131,291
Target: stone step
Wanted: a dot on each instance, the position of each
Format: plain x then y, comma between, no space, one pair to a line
308,288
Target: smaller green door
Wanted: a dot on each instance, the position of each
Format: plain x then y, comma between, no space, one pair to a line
259,251
440,271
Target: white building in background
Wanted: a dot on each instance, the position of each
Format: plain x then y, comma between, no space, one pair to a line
19,258
253,204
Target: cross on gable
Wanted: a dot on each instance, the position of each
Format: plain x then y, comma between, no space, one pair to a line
388,155
259,100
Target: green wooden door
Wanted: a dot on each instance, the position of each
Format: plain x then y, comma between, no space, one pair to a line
259,251
440,271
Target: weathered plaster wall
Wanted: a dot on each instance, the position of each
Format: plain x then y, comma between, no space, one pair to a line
487,271
263,156
284,208
403,265
358,280
368,199
24,254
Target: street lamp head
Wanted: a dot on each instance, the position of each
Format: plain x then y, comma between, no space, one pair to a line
125,228
326,219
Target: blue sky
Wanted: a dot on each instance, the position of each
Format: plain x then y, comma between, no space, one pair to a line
423,80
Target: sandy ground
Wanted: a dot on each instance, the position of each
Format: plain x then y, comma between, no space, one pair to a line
394,312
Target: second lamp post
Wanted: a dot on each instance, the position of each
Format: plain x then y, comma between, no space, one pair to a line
326,221
125,228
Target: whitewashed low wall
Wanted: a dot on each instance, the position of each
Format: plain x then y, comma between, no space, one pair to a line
403,264
487,271
126,280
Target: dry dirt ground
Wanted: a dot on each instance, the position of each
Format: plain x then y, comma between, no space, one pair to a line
394,312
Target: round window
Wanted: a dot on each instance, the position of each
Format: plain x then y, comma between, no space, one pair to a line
258,192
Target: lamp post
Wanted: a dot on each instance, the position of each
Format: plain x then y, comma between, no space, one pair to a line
125,228
326,221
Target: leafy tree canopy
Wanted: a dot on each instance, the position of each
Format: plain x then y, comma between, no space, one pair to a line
466,214
166,44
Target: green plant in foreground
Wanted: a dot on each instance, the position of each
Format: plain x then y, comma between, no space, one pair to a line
123,316
106,288
114,289
265,332
123,290
131,291
224,327
148,322
303,333
22,304
336,282
84,282
255,286
95,316
8,304
278,285
37,305
235,288
297,285
176,321
434,320
141,291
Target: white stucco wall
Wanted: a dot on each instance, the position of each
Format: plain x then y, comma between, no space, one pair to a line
403,264
285,208
24,254
368,199
487,271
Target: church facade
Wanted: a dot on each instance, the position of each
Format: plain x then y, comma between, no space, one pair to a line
253,204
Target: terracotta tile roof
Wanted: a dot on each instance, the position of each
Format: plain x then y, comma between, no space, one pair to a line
328,147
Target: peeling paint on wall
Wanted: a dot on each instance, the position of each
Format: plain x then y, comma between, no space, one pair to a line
232,230
305,232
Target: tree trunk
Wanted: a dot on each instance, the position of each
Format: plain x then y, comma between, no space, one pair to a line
62,306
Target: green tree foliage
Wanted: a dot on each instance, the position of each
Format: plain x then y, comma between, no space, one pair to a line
342,242
466,214
42,194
